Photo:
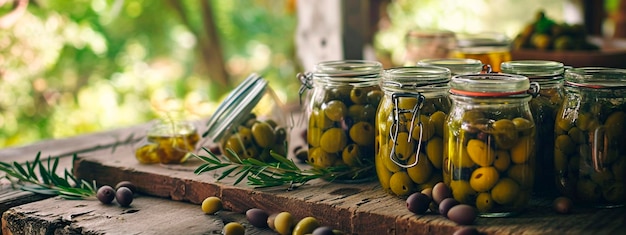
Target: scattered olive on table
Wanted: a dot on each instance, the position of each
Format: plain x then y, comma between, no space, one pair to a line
446,205
257,217
418,203
124,196
466,231
284,223
211,205
323,230
306,226
127,184
562,205
233,228
462,214
105,194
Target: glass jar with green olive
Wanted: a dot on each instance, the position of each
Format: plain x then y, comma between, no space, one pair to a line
489,143
341,109
590,142
409,128
549,76
457,66
250,122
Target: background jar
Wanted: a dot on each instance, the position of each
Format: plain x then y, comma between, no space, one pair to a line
168,142
590,146
409,123
341,110
456,66
544,106
250,122
489,142
490,48
427,44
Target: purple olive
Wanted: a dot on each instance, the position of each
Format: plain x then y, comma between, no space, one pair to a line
257,217
446,205
124,196
418,203
105,194
462,214
127,184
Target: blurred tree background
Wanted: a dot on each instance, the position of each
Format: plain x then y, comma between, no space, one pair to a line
69,67
77,66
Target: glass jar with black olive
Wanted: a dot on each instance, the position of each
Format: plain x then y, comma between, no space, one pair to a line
549,76
590,130
489,143
409,128
341,102
250,123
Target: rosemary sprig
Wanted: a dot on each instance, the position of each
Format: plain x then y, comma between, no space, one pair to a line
268,174
41,178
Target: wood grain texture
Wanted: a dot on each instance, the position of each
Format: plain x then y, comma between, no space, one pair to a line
146,215
355,208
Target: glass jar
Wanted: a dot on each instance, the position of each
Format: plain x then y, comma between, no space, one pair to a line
490,48
549,76
409,128
489,143
590,146
428,44
341,111
457,66
250,122
168,142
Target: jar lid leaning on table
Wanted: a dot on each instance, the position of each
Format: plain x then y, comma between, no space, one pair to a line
489,143
341,99
590,143
410,122
250,122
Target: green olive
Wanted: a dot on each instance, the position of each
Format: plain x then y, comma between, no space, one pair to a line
233,228
333,140
505,133
434,151
565,144
245,135
384,175
250,152
406,103
401,184
356,112
480,152
505,192
522,150
423,125
335,110
319,119
437,120
484,178
362,133
234,144
306,226
522,174
614,192
374,97
484,202
147,154
587,190
576,135
314,135
386,159
565,124
523,125
320,158
583,120
462,191
460,158
405,147
502,160
284,223
617,123
421,172
263,134
358,95
351,154
560,161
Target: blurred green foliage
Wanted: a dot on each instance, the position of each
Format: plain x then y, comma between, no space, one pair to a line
76,66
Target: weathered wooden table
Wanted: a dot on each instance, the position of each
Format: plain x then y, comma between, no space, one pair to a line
170,195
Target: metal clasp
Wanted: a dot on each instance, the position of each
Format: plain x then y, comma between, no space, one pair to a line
306,79
534,89
395,126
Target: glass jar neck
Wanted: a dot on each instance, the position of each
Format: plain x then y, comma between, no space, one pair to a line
353,72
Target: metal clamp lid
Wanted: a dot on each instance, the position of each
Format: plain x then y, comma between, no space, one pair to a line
237,105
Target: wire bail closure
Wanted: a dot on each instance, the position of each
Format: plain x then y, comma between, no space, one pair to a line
396,111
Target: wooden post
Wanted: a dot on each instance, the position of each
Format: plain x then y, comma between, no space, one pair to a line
332,30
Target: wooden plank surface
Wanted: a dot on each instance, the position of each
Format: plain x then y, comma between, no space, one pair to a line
146,215
355,208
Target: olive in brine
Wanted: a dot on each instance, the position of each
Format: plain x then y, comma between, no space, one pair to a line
263,134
